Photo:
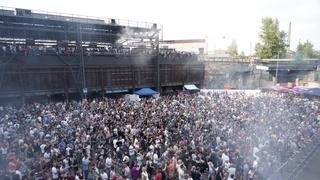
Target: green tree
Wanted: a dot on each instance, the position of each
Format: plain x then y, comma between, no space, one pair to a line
318,54
305,50
242,55
233,49
273,41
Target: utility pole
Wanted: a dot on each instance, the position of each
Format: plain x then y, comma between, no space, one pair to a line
84,86
277,68
289,36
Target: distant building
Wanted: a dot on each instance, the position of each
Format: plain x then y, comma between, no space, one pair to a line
197,46
219,53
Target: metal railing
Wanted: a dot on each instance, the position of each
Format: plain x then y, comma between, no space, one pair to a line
228,59
10,11
290,169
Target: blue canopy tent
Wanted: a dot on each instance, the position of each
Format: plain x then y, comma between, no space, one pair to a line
313,92
146,92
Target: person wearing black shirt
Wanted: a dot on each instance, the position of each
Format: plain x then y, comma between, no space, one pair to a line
195,174
219,175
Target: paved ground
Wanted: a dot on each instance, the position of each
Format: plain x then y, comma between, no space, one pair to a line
311,170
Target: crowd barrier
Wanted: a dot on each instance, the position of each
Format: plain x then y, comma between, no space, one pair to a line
294,165
247,91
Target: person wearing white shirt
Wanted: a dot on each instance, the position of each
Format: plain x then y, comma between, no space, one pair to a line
115,143
108,162
211,172
47,157
104,175
255,164
20,142
144,174
66,162
136,143
231,171
78,178
155,158
131,150
41,134
68,150
255,151
55,173
19,174
225,158
251,174
42,147
181,174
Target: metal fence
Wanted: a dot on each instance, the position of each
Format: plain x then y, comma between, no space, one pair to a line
229,59
290,169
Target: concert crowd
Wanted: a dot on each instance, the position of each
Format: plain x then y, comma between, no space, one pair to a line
217,136
91,51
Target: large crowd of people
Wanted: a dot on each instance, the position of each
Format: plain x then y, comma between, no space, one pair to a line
28,50
217,136
173,54
24,50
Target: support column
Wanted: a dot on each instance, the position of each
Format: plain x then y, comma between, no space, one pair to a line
23,100
158,64
67,95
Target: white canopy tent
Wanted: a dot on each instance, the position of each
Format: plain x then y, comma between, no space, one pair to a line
191,87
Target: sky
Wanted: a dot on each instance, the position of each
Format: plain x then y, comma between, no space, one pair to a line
238,20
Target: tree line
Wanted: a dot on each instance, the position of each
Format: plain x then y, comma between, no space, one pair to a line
274,44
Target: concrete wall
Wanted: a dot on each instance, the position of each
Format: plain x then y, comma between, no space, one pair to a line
219,75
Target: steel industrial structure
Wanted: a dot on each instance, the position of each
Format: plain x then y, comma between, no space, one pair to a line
50,53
